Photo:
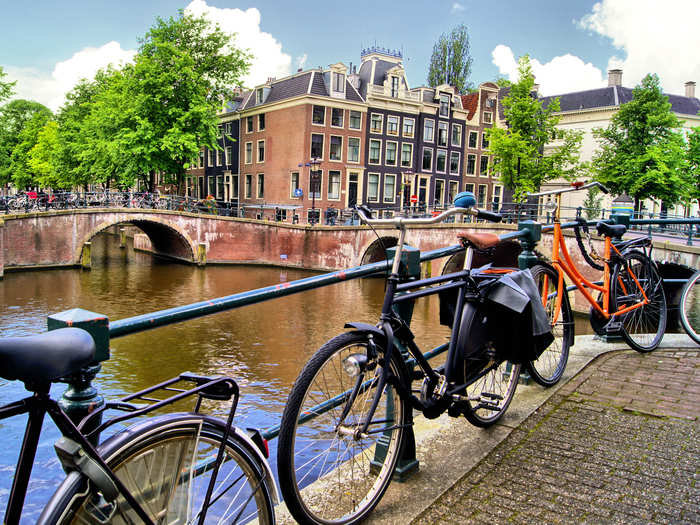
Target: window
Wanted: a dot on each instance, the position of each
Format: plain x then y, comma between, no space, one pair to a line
392,125
394,87
484,166
211,157
261,185
319,115
456,135
469,187
261,151
338,82
219,154
428,130
408,126
442,133
376,123
389,187
439,192
259,96
294,184
219,187
427,159
248,186
454,162
473,139
220,130
373,187
471,164
316,146
234,187
441,161
481,196
444,105
336,151
390,157
248,152
375,148
261,122
496,197
406,155
353,149
249,124
454,187
211,186
313,216
229,155
355,121
484,140
488,117
337,117
201,158
315,189
334,185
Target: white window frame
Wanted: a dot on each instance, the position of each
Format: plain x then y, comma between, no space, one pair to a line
229,155
249,127
258,193
381,123
452,190
488,117
369,152
340,151
432,134
396,153
439,194
397,121
476,141
389,198
449,160
257,150
248,153
437,154
264,122
320,184
410,156
443,127
294,184
370,176
338,82
444,104
350,119
413,127
457,127
359,150
311,145
342,118
313,107
248,189
484,202
331,196
432,159
466,164
481,171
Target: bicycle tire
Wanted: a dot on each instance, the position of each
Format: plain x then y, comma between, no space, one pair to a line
644,327
329,477
690,307
548,369
491,390
164,453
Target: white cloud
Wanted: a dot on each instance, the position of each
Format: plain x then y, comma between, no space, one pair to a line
50,89
456,7
269,59
301,61
654,37
562,74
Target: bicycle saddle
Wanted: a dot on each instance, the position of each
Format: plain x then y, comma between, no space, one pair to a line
46,357
480,241
611,230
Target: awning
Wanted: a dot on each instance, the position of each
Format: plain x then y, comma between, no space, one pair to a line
272,206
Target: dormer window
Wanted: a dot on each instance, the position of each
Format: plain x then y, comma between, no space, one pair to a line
259,96
394,87
444,105
338,82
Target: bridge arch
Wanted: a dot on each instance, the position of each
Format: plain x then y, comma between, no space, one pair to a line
375,251
167,240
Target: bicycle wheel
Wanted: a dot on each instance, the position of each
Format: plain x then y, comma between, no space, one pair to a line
644,327
549,367
328,473
167,463
690,307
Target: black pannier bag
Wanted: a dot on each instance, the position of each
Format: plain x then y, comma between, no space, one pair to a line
511,319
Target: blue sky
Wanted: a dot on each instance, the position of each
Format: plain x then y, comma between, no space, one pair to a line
48,45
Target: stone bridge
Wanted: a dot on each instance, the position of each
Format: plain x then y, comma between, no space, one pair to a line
57,239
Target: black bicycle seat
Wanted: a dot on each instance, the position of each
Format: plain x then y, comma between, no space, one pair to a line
46,357
611,230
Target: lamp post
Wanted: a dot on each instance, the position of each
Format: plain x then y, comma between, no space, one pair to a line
313,183
407,188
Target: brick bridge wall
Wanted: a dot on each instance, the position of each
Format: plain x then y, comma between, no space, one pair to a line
56,239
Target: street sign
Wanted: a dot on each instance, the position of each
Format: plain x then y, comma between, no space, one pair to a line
298,192
414,198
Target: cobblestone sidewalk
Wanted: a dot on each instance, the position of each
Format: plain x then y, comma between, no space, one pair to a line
620,443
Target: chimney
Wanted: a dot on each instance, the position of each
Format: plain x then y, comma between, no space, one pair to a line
614,77
690,89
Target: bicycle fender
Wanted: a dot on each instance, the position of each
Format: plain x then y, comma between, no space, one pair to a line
366,327
263,461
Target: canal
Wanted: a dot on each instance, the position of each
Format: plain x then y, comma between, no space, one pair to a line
263,346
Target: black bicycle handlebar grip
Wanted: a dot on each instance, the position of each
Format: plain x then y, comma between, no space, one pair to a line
603,188
489,216
364,209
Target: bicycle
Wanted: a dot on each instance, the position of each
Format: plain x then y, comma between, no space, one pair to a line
630,303
171,468
344,426
690,307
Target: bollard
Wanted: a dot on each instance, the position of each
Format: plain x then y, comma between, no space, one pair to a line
86,256
533,234
122,237
201,254
81,398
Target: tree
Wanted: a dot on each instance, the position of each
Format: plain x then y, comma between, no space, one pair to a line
593,203
5,87
451,62
693,164
14,117
43,158
518,150
23,175
641,152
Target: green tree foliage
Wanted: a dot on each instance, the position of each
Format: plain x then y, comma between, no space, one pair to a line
20,122
518,150
5,87
451,62
42,158
642,152
593,203
23,175
693,164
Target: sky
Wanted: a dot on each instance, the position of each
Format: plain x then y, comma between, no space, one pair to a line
48,45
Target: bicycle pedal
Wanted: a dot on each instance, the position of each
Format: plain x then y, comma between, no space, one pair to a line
613,328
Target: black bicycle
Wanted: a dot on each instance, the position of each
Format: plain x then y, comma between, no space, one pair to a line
173,468
344,426
690,307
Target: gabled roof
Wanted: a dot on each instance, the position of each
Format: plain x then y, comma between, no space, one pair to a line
290,87
470,103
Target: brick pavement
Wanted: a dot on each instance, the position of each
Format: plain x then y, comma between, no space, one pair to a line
620,443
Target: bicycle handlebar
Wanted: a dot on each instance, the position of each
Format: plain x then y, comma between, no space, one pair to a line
402,221
591,184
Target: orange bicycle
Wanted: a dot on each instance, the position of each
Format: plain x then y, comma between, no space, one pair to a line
630,303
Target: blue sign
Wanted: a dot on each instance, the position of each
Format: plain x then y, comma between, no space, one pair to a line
298,192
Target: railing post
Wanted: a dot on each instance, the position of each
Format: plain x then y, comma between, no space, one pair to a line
533,234
81,398
407,463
